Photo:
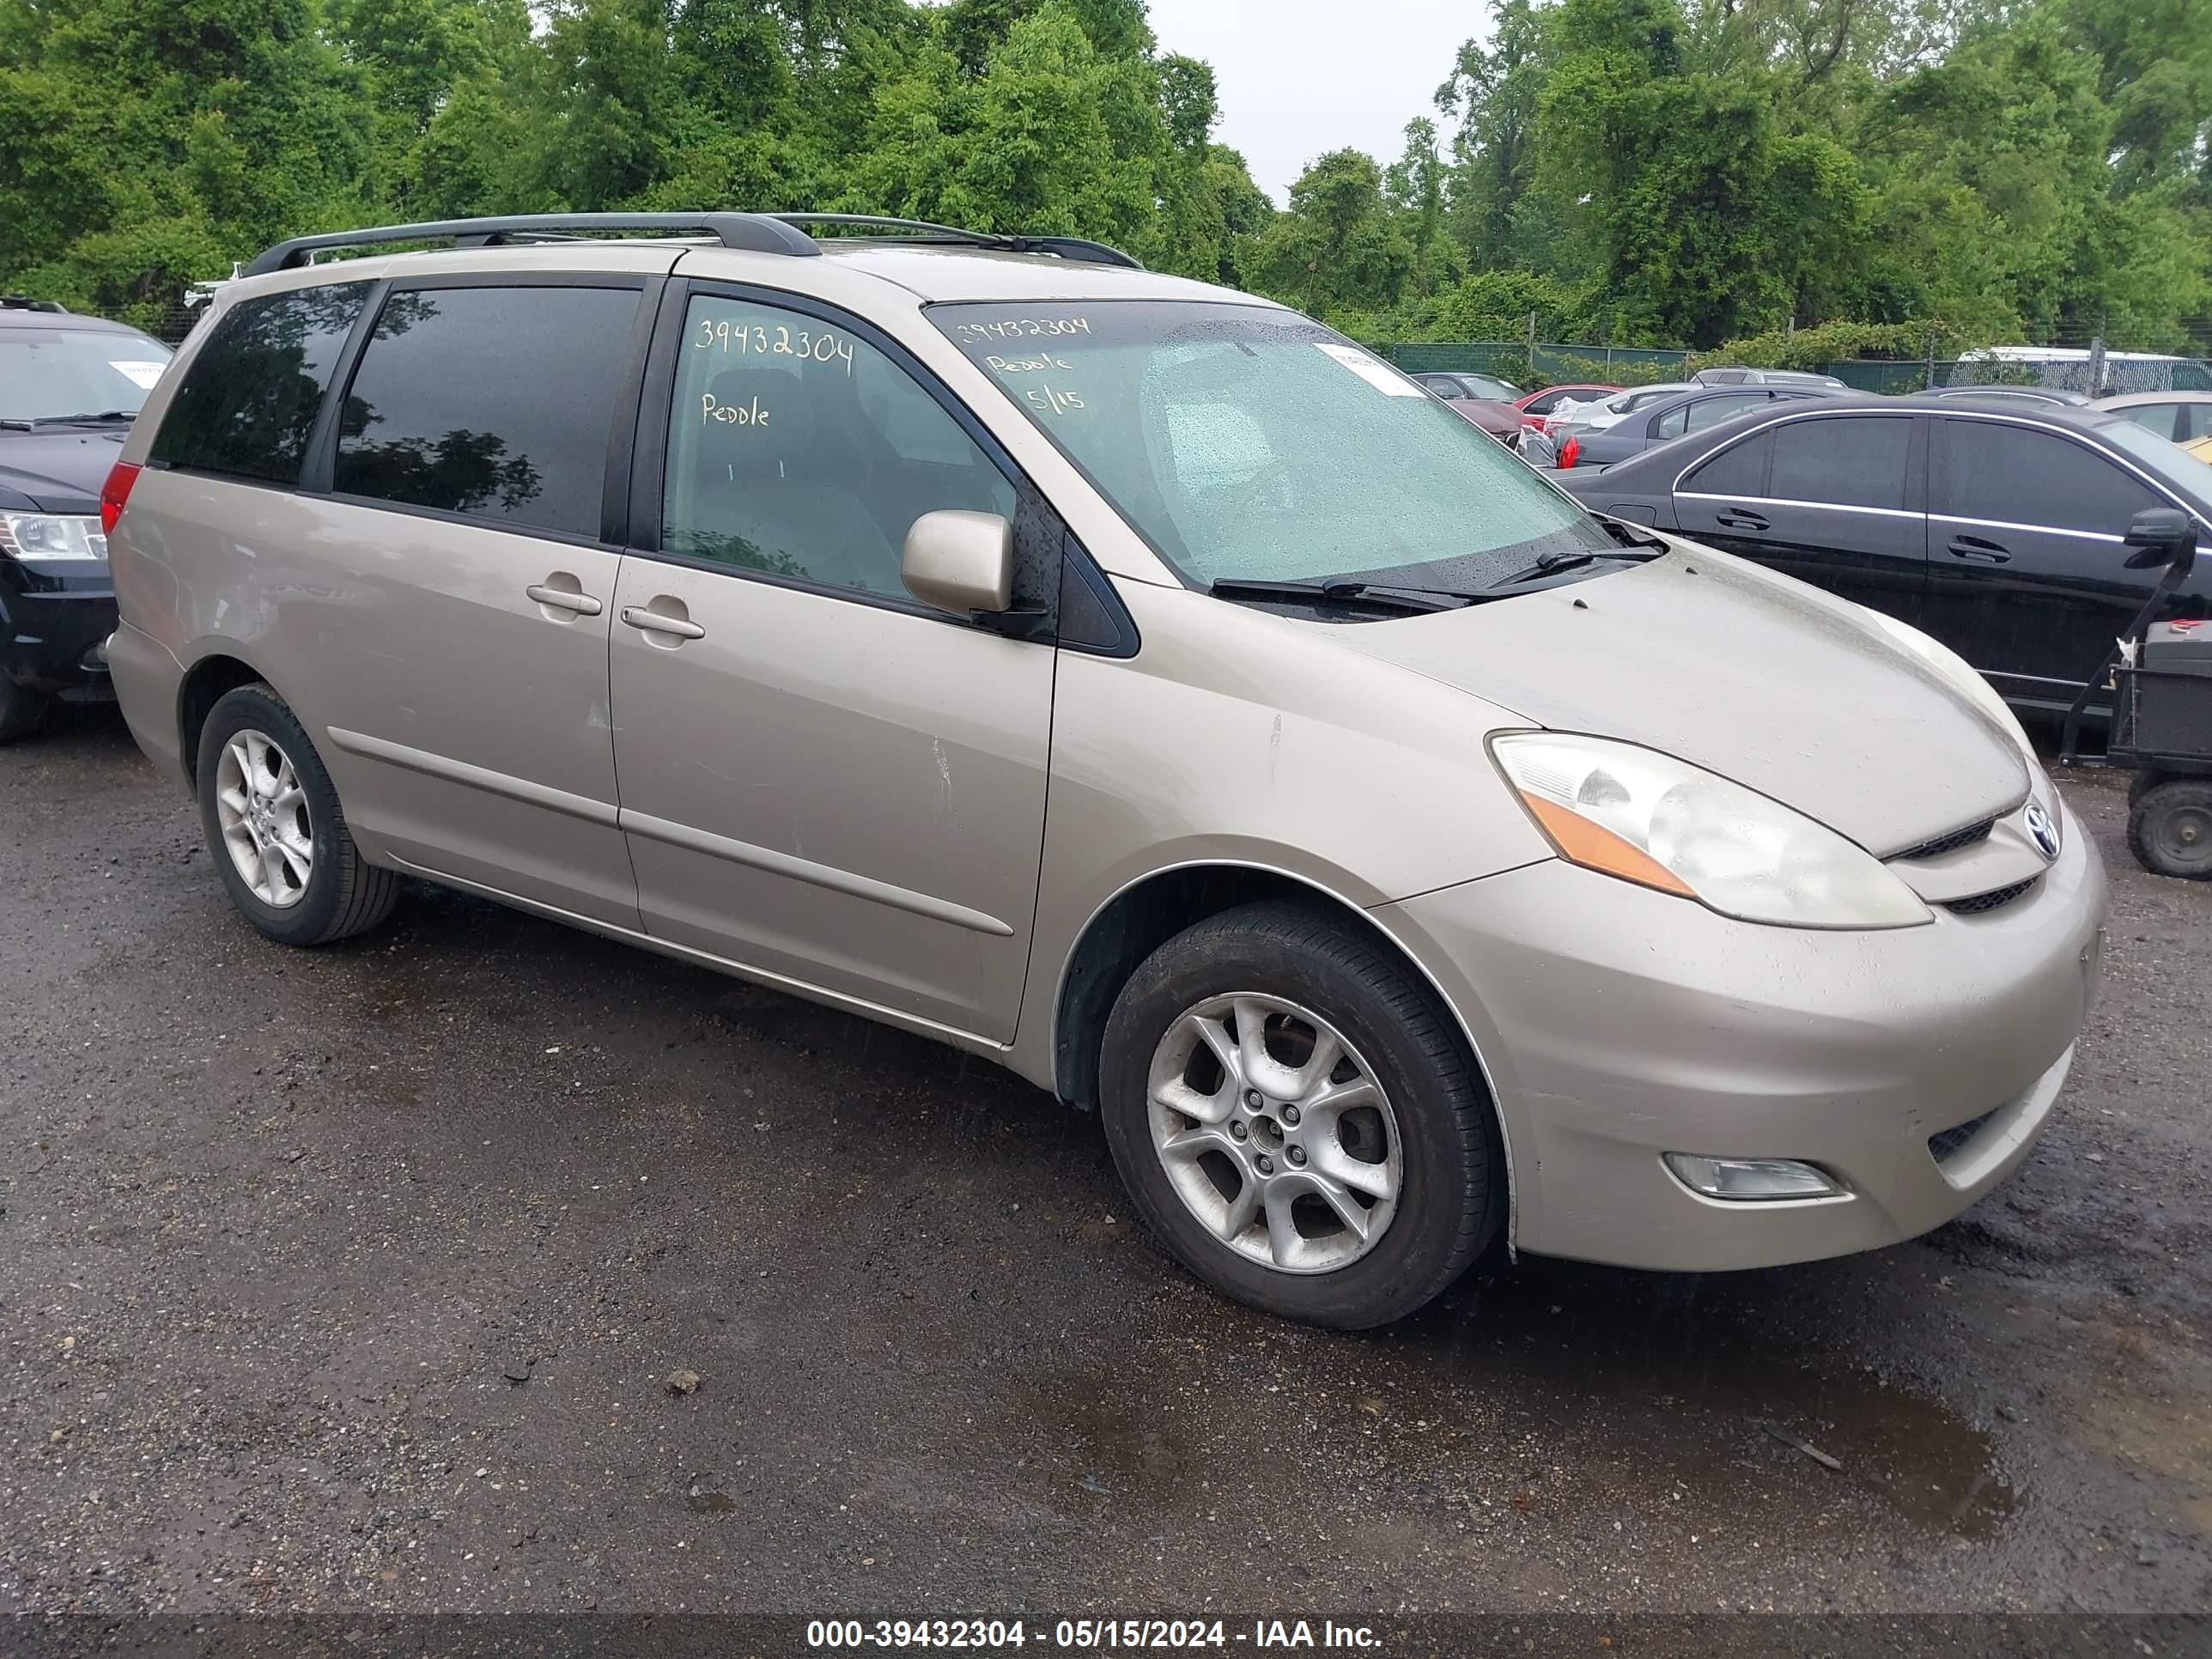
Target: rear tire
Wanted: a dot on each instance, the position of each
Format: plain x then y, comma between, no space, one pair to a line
274,828
1425,1180
2169,829
23,712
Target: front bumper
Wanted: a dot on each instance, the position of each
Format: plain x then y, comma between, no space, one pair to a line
1616,1024
53,618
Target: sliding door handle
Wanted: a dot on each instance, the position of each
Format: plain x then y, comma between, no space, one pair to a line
654,622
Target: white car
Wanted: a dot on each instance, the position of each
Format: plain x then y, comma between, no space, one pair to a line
1598,416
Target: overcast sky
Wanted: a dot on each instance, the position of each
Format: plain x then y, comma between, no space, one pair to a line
1299,77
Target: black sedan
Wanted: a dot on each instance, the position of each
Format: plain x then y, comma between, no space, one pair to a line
1996,528
1669,417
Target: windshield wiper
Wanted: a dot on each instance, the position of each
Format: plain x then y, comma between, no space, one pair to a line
87,420
1393,596
1552,563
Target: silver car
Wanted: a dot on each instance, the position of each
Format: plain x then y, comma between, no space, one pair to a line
1128,680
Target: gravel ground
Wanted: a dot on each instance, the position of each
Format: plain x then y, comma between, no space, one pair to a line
357,1279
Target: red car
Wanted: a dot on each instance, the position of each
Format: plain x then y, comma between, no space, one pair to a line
1537,406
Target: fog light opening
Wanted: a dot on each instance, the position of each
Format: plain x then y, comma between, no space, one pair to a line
1741,1180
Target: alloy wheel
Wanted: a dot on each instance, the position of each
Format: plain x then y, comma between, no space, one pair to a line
1274,1132
262,811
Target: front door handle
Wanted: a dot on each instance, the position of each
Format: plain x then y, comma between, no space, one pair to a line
1740,518
570,599
1980,549
652,621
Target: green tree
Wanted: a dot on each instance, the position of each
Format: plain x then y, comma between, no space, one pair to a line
1338,247
146,143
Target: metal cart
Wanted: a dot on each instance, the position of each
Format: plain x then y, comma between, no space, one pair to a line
2159,676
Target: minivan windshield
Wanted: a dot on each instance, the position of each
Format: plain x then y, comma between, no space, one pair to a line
1247,443
57,373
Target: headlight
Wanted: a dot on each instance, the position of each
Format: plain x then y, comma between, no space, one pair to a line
52,536
1649,818
1960,677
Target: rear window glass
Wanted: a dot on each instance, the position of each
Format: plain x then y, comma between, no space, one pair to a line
495,402
251,392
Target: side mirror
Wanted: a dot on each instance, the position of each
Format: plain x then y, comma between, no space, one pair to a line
960,561
2162,535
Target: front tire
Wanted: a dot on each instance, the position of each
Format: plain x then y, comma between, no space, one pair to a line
23,712
274,828
1298,1120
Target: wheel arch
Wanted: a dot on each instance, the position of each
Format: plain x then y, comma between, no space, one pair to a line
1152,909
205,684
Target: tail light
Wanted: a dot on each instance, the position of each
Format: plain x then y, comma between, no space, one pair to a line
1569,451
114,493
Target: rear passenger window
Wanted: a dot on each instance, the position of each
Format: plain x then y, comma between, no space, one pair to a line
251,393
492,402
1843,461
2016,475
796,447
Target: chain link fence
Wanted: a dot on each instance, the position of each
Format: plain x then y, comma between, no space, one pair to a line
1545,363
175,323
2091,370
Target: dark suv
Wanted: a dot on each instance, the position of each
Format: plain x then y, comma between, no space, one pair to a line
69,387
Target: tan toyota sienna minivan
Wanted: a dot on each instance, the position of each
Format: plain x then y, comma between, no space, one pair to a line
1127,679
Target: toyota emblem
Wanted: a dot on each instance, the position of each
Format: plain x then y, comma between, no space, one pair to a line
2042,830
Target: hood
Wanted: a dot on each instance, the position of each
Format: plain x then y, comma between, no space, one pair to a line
1782,687
59,469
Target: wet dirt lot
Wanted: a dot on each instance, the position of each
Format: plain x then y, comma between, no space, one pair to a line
355,1279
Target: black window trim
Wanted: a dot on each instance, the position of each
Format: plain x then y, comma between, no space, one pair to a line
1918,444
649,467
614,501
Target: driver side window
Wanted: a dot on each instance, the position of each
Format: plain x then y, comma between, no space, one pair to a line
796,448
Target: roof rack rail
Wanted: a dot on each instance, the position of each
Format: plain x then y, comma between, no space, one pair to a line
1067,247
754,233
757,232
24,302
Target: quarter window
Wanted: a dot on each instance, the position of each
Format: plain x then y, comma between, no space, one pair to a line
2016,475
796,447
492,402
1842,461
1738,470
252,390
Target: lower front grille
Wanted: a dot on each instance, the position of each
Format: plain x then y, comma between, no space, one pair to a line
1944,1142
1982,904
